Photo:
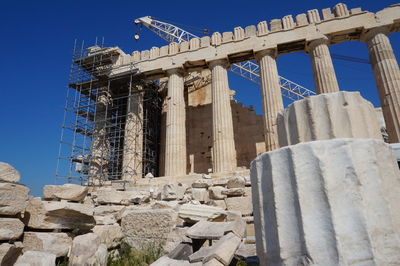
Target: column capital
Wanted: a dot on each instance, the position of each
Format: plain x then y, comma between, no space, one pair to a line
177,70
273,52
368,34
314,43
221,62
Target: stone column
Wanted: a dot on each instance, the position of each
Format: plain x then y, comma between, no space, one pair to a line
133,137
224,153
271,96
329,202
100,149
324,73
175,140
387,76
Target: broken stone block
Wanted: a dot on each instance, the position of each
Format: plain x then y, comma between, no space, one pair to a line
147,226
201,183
218,203
199,255
13,198
88,250
207,230
11,228
215,193
275,25
54,243
9,253
8,173
170,192
107,214
334,115
205,41
233,192
166,261
248,192
356,10
220,181
200,194
110,235
250,31
66,192
36,258
216,230
112,196
193,213
348,191
241,204
245,251
223,250
175,238
301,20
58,215
164,50
236,182
327,14
227,37
248,181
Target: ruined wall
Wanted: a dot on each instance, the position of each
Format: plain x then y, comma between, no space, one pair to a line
248,128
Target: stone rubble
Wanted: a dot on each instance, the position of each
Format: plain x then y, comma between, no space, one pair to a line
58,215
54,243
70,192
36,258
11,228
8,173
88,250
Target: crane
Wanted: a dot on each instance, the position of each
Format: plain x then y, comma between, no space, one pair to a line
249,69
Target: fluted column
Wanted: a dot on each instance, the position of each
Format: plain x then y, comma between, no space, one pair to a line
387,77
323,70
271,96
133,137
175,140
224,153
100,149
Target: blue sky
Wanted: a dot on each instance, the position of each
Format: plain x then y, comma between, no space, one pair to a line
37,39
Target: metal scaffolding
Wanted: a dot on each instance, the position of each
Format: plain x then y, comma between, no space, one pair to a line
100,140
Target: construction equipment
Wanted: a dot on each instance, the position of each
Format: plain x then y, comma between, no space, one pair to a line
249,69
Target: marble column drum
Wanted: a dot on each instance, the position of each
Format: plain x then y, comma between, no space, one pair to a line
271,96
175,141
224,153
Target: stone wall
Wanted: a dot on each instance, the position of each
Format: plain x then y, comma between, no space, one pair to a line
248,129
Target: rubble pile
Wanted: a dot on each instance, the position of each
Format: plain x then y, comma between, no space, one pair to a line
84,224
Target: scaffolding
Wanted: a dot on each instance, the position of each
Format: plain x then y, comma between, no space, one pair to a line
111,125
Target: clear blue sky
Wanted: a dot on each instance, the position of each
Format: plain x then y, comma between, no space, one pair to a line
37,39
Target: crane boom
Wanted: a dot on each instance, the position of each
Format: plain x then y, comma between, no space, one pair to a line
249,69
